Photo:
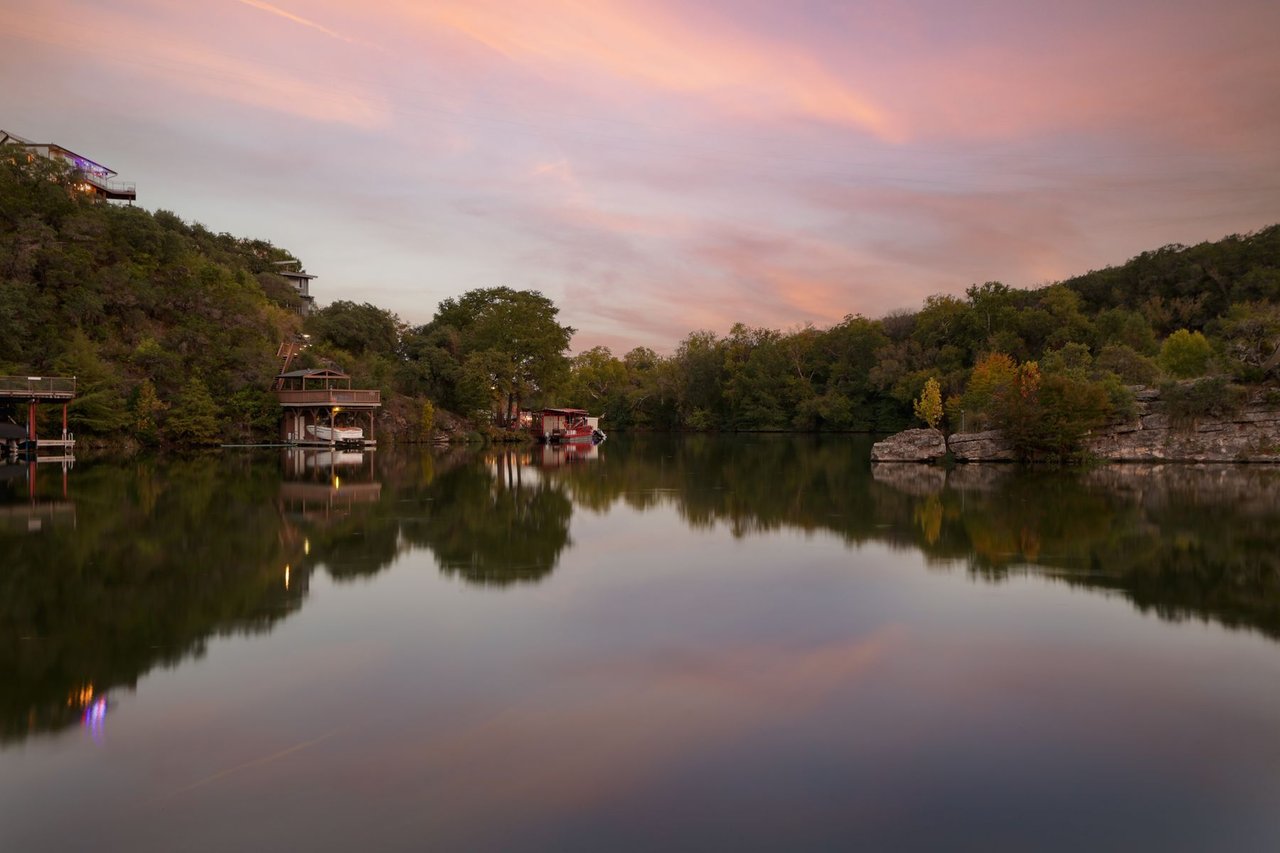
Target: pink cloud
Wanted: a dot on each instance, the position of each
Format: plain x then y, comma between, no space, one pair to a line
662,166
654,46
609,730
171,58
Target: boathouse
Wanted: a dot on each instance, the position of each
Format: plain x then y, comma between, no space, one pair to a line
29,392
319,402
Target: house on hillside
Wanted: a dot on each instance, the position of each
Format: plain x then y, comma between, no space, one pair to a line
292,271
92,178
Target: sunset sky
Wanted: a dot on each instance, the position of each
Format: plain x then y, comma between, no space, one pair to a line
659,166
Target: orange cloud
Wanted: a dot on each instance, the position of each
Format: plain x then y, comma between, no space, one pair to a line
642,43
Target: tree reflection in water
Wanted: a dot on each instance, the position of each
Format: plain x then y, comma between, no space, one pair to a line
496,523
157,557
142,562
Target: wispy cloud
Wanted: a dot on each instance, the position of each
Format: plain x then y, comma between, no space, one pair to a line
649,45
657,166
166,58
298,19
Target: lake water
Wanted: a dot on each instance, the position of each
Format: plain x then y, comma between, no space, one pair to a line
663,643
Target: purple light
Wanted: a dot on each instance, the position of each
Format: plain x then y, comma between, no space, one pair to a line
95,715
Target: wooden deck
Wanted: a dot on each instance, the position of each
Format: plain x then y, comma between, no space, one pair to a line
330,397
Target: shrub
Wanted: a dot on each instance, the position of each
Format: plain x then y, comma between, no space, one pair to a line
427,430
993,374
1071,358
1187,402
1049,414
1185,355
1127,363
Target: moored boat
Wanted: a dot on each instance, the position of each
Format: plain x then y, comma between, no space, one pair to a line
335,434
566,426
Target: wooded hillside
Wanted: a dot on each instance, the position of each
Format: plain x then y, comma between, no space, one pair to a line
172,331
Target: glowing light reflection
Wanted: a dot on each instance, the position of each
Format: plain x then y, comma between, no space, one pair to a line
94,719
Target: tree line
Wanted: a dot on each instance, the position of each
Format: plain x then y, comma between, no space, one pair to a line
172,329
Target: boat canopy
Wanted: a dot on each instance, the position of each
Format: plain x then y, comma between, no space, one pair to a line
563,412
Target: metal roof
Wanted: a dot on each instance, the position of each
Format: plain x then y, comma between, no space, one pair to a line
312,374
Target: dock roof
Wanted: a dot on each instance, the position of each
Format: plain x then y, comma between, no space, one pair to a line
314,373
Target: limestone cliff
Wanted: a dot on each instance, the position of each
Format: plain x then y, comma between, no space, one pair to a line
1250,434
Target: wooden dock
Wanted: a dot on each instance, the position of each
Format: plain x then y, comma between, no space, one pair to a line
39,389
17,392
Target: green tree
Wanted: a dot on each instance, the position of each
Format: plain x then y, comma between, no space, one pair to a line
699,367
595,379
1017,412
1072,359
651,395
1128,364
509,337
147,410
253,412
99,405
1186,354
988,382
759,390
194,417
356,329
1250,335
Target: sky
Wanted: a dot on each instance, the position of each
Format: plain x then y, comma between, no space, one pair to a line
657,167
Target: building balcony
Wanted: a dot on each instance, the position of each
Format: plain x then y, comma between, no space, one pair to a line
114,190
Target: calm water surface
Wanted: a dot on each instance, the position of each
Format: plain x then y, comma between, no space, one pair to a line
699,643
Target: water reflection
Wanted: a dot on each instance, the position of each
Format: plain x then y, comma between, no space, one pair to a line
121,568
27,504
497,522
158,559
138,565
1178,541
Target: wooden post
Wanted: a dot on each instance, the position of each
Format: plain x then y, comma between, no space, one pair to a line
31,420
64,421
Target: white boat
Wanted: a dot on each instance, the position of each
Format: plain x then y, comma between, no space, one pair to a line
337,434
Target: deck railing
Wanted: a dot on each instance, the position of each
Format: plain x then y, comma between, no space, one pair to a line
330,397
110,186
55,387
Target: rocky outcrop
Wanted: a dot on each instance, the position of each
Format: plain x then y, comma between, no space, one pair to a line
1252,434
913,445
989,446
